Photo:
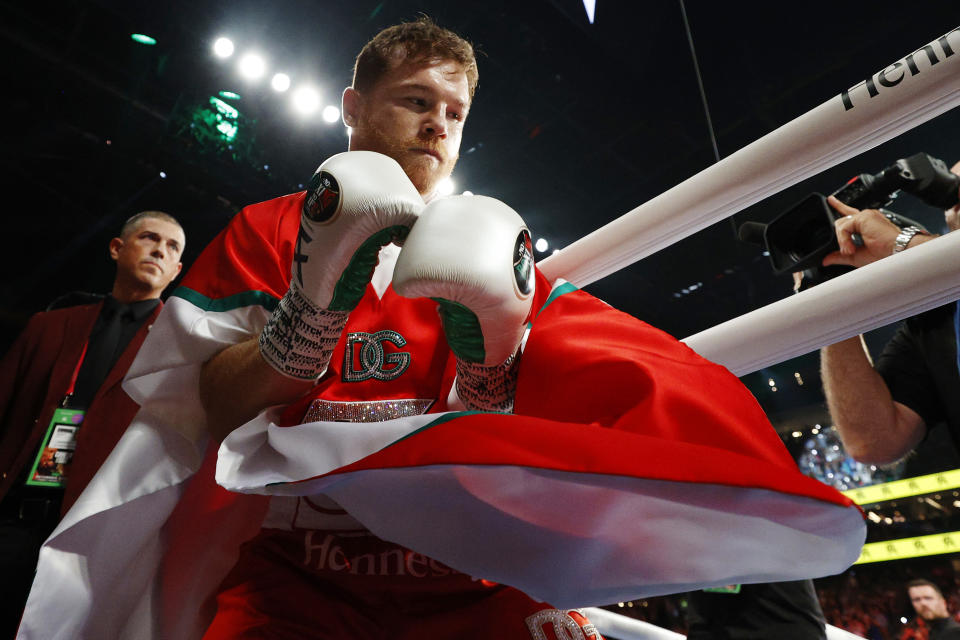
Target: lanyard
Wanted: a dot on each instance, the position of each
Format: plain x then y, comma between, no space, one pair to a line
76,374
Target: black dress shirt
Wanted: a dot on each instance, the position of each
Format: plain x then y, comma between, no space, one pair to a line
115,327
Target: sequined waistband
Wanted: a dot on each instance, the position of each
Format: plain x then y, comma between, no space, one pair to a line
372,411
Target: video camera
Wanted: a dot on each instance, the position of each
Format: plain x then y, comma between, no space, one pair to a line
800,237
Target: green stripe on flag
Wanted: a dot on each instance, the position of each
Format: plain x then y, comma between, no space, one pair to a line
447,417
236,301
563,289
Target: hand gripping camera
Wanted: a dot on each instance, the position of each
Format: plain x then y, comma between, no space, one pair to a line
800,237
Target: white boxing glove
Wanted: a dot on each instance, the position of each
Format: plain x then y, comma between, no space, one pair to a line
473,256
356,203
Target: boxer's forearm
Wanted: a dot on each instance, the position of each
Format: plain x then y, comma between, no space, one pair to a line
874,428
237,384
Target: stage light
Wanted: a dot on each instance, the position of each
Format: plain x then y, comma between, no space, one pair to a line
468,193
541,245
224,118
223,47
252,66
306,100
591,7
163,174
446,187
331,114
280,82
143,38
230,95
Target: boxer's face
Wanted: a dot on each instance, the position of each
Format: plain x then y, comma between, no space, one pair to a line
414,114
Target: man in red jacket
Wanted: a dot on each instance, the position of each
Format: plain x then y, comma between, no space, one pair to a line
61,405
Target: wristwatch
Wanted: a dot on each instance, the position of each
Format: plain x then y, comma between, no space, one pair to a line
905,236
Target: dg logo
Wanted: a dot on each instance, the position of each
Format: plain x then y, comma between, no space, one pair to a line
366,349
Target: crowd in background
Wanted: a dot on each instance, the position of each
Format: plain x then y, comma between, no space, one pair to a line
867,600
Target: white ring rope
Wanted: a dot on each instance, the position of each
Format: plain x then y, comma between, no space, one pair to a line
922,278
615,626
923,85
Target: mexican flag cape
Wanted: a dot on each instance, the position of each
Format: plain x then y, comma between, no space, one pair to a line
631,467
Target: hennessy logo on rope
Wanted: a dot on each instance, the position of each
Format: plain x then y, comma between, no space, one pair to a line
894,74
373,360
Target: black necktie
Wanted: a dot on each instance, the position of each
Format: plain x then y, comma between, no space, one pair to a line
101,351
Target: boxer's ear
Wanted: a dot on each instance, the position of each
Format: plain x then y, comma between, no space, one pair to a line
351,104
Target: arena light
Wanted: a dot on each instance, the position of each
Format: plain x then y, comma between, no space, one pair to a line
541,245
223,47
252,66
591,7
331,114
306,100
280,82
143,38
225,118
445,187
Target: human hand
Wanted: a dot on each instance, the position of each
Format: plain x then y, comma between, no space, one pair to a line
356,203
877,231
473,256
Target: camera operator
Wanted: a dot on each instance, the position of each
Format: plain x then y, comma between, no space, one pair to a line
883,409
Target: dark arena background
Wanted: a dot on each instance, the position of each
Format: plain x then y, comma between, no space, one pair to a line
582,113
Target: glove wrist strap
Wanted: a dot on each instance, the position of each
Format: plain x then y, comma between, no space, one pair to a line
483,388
299,338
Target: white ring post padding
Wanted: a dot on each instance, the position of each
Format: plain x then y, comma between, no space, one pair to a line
615,626
920,278
840,128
